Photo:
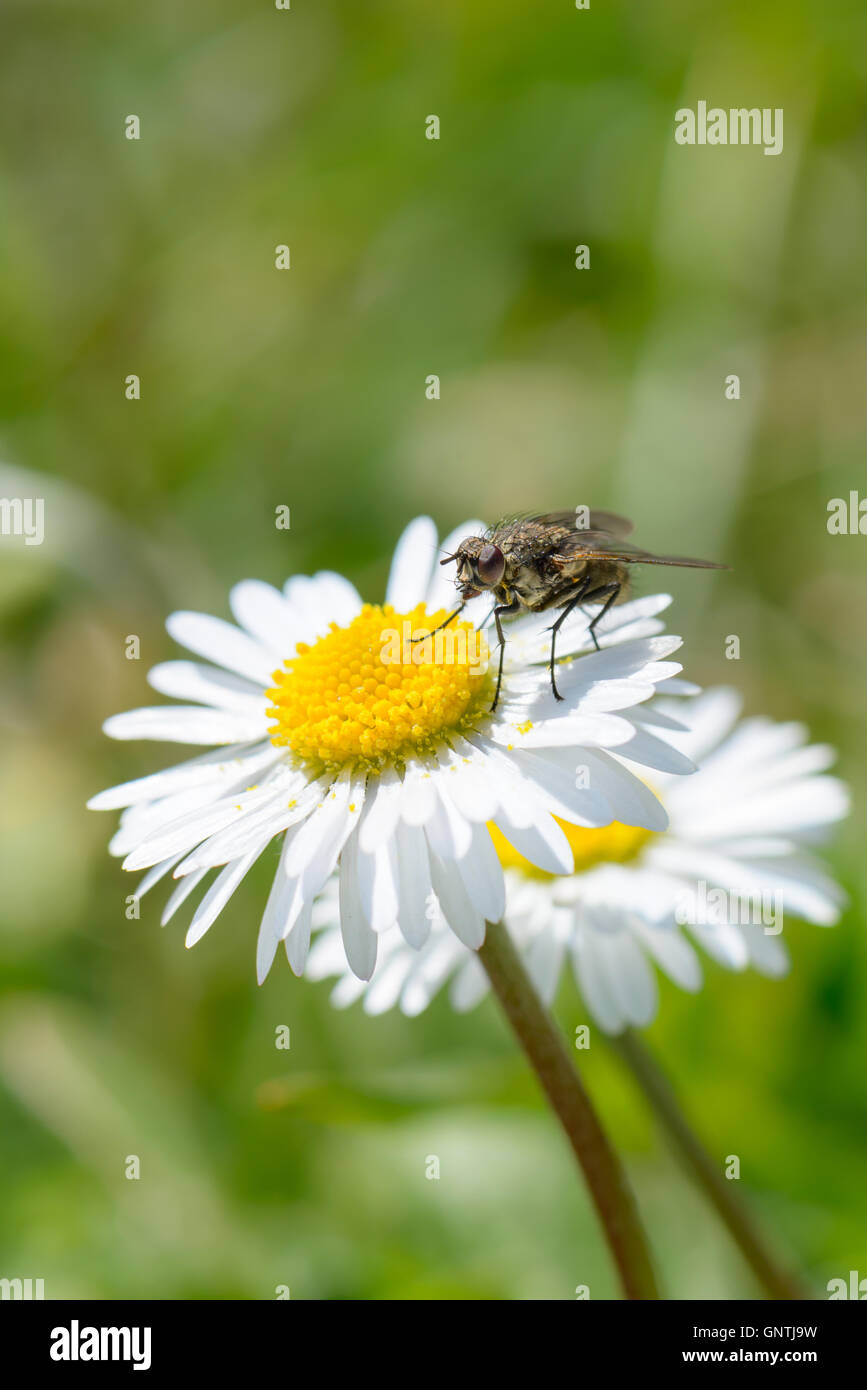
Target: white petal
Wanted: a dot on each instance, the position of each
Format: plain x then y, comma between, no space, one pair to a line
381,810
623,983
239,838
190,680
154,875
388,981
544,844
316,847
147,818
418,802
180,895
482,875
524,803
448,833
785,810
298,941
187,724
377,874
652,716
592,976
414,884
223,644
766,882
656,753
632,978
470,985
411,567
469,788
565,731
433,966
625,622
218,895
767,953
466,922
672,952
723,942
615,695
280,910
309,612
631,801
339,599
359,940
302,872
544,957
645,657
806,890
196,825
676,686
220,765
558,787
265,613
327,956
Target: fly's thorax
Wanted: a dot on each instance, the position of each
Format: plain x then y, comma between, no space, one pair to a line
540,585
530,591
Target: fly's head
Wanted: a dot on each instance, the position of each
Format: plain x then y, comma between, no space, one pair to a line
480,566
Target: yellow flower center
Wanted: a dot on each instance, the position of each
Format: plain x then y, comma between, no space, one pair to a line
607,844
367,693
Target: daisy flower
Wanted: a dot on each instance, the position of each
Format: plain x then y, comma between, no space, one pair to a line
379,759
733,860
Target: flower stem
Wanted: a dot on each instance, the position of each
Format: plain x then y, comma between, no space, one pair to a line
546,1051
777,1281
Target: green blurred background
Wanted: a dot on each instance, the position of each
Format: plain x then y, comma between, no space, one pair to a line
307,388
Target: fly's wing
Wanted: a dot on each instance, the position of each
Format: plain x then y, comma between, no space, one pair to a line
598,521
563,521
602,545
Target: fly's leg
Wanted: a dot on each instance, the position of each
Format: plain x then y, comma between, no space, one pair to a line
480,627
607,591
499,611
579,595
441,626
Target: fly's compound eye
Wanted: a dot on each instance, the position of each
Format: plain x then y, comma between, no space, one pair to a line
491,565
